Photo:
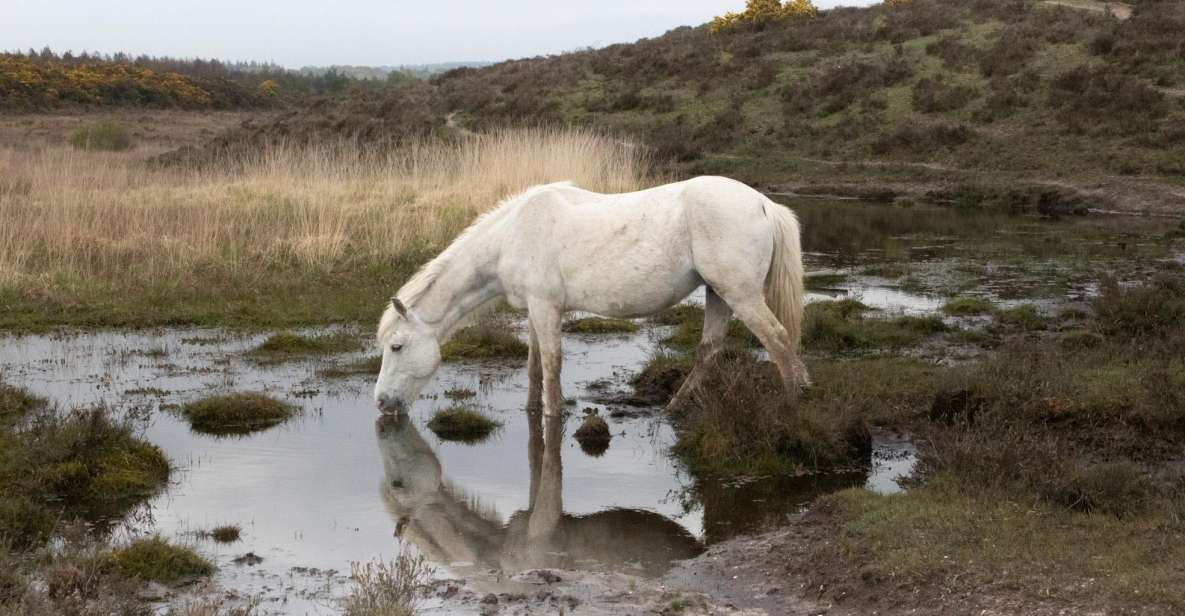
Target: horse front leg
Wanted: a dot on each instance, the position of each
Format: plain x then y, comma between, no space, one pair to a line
545,318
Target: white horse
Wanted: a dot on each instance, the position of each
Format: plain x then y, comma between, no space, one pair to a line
556,248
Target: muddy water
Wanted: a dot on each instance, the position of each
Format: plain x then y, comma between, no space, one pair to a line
338,484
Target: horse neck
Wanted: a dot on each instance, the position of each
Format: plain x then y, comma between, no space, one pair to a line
467,281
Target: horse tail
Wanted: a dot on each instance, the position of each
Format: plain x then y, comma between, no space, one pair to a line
783,283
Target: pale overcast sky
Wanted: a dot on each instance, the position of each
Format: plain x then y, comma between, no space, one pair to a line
295,33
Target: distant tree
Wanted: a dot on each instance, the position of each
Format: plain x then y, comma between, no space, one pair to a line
759,13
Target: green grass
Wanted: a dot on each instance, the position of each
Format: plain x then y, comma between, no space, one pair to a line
841,326
967,306
286,297
598,325
966,540
487,340
107,136
287,343
154,559
239,413
462,424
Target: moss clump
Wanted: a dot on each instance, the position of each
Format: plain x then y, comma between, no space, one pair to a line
842,326
156,560
287,343
598,325
967,306
240,413
489,340
367,365
593,435
462,424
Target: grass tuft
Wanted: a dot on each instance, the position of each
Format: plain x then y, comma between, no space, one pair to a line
156,560
227,533
462,424
490,339
367,365
967,306
240,413
598,325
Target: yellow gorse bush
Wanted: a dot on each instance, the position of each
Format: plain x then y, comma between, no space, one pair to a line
25,83
758,13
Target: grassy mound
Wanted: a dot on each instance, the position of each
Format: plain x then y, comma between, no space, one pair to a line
741,422
240,413
593,435
462,424
287,343
598,325
487,340
80,464
156,560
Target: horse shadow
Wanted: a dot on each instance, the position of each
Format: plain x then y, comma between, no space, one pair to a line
451,528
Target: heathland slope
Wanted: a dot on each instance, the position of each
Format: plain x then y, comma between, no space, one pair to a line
916,95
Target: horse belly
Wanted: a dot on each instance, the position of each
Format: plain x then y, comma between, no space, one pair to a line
629,284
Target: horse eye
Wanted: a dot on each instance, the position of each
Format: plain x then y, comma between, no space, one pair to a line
396,347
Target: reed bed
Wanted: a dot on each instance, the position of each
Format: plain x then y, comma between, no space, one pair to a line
111,216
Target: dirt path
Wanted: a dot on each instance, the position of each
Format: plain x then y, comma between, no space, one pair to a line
1120,10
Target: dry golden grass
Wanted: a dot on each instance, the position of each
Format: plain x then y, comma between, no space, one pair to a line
110,219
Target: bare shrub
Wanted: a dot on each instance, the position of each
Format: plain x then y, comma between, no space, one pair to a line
387,589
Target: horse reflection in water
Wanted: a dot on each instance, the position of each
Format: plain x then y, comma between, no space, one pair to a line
450,529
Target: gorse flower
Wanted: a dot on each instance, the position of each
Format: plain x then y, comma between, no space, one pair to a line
758,13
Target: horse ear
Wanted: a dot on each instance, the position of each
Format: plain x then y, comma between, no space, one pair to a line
399,307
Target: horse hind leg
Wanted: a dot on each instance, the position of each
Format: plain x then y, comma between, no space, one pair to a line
716,317
756,315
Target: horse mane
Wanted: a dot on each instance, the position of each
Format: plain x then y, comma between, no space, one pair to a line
422,280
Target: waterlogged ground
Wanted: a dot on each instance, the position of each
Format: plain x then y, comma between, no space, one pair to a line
339,484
